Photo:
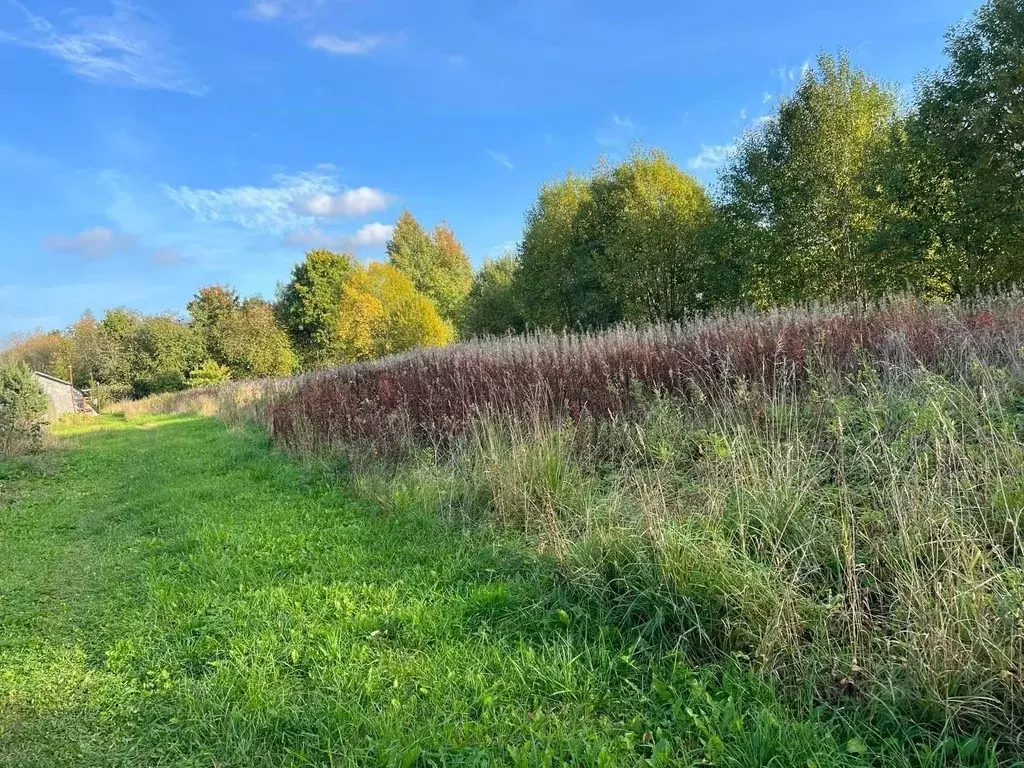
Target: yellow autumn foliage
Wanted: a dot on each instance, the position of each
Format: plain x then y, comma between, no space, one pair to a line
382,314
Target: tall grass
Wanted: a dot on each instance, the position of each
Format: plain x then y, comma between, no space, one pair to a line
433,395
833,496
860,546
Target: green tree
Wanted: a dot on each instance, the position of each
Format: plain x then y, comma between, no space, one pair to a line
906,201
124,361
411,251
22,408
384,314
493,306
437,264
169,349
309,307
651,218
797,196
254,345
958,182
560,272
85,350
209,309
452,276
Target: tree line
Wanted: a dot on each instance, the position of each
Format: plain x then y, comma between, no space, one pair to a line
332,310
841,193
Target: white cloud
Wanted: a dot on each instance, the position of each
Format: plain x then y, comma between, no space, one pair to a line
791,75
351,202
270,208
711,156
616,131
766,98
501,159
369,236
373,234
94,243
624,122
129,48
743,114
354,46
266,10
273,10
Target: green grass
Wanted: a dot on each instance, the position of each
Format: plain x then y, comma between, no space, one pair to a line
173,593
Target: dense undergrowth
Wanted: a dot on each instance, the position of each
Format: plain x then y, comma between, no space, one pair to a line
830,498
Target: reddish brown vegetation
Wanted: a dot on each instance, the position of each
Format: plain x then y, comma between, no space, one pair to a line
433,395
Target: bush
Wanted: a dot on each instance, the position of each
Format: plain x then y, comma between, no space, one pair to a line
208,374
23,407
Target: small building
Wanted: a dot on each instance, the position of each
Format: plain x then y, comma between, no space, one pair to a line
63,396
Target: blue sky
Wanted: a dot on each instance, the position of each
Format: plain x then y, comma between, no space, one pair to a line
148,150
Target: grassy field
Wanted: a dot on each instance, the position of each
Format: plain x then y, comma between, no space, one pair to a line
172,593
830,499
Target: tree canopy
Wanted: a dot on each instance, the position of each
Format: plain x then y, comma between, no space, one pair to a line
796,196
652,215
436,263
384,314
309,306
624,243
22,407
558,274
958,181
493,306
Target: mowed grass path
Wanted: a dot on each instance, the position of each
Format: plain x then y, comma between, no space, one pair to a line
172,593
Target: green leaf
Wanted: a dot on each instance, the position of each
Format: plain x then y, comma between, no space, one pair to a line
856,746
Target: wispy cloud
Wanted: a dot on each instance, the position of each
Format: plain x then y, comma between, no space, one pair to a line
711,156
616,131
292,202
129,48
94,243
509,247
269,208
351,202
168,257
501,159
789,76
301,11
271,10
369,236
351,46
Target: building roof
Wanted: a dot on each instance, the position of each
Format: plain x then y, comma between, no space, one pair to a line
42,375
